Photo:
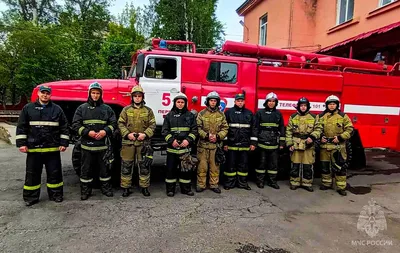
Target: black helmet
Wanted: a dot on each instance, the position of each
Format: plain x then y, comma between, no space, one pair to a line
303,100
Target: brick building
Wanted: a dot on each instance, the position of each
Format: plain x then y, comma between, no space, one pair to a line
348,28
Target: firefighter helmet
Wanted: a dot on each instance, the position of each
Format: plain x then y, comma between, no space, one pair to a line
270,96
213,95
332,99
95,85
180,96
303,100
137,88
338,161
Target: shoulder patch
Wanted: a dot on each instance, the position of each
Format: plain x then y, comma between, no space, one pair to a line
322,114
293,115
148,108
202,112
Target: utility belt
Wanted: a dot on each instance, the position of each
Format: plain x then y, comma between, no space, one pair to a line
301,136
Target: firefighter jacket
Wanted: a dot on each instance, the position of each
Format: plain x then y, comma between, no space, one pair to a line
211,122
240,134
335,124
300,127
94,117
179,125
269,128
134,119
42,128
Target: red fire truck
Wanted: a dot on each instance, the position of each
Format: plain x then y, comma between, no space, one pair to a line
369,92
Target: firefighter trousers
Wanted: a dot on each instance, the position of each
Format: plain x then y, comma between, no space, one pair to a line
93,160
33,176
326,169
268,165
131,156
302,171
207,163
175,173
236,171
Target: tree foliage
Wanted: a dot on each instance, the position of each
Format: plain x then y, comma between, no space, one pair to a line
43,41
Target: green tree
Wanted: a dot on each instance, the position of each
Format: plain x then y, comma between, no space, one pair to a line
188,20
121,42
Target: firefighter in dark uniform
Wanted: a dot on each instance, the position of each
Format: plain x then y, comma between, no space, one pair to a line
137,124
302,131
42,132
94,121
337,130
180,132
213,128
238,143
270,131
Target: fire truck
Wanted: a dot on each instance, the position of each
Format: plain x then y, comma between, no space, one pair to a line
369,91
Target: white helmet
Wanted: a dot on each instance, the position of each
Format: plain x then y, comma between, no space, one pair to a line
180,96
332,98
271,95
213,95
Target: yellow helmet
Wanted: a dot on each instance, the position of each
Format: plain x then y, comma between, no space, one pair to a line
137,88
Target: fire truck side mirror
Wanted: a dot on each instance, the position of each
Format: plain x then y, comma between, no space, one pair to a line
140,65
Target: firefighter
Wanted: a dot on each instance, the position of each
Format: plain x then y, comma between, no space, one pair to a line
95,122
270,131
137,124
180,132
42,132
212,128
238,142
302,131
337,130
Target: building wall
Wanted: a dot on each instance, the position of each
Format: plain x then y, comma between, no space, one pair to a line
326,34
278,23
318,27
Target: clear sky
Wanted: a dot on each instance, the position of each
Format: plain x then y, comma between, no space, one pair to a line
226,14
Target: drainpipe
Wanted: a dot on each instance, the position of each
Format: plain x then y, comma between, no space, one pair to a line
351,52
290,23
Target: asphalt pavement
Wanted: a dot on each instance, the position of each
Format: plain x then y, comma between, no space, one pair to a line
260,220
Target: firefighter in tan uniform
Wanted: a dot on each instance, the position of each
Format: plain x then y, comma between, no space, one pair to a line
137,124
337,129
302,131
213,128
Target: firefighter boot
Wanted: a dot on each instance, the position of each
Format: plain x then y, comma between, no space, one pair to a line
86,191
271,182
186,189
342,192
145,192
126,192
308,188
31,203
170,189
199,189
106,189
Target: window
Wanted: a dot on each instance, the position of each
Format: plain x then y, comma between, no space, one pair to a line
222,72
345,9
385,2
161,68
263,30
